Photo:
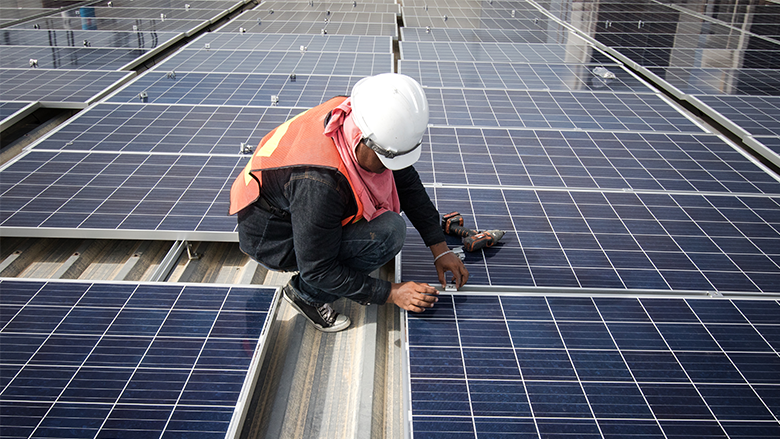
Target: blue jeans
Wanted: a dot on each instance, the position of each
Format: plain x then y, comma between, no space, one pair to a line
364,247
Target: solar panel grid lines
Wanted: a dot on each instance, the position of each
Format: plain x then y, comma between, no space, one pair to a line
711,81
589,160
156,12
8,109
95,38
347,16
235,89
293,42
519,76
176,129
172,359
377,7
267,62
474,4
495,52
545,109
81,194
57,85
613,240
18,57
117,24
757,115
522,36
534,365
384,28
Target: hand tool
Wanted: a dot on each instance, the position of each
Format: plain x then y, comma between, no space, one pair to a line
473,240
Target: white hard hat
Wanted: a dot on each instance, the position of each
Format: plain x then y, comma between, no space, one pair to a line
391,111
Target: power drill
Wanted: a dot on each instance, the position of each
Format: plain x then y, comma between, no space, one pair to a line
473,240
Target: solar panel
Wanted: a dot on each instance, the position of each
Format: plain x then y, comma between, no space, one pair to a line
758,115
320,6
558,366
194,4
57,85
509,76
293,43
773,143
612,240
479,35
167,129
285,63
236,89
83,359
19,57
589,160
86,38
697,81
119,195
8,109
142,13
493,52
556,110
336,27
109,24
662,57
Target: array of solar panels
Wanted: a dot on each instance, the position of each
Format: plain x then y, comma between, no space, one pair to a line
604,187
722,58
599,180
127,359
595,367
74,55
159,155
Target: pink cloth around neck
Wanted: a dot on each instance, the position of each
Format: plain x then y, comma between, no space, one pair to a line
377,192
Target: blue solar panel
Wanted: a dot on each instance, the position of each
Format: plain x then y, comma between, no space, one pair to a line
68,57
547,366
82,38
125,359
479,35
508,76
118,194
56,85
589,159
236,89
697,81
557,110
612,240
758,115
284,63
293,42
175,129
8,109
493,52
151,25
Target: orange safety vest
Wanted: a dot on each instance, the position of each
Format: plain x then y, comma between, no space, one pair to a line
297,142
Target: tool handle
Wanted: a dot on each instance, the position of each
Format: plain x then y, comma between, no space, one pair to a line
478,241
460,231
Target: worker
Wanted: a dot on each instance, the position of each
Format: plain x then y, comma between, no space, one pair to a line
322,197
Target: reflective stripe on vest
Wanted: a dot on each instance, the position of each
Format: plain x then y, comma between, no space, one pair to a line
297,142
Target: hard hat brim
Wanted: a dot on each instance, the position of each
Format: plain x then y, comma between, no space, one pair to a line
401,161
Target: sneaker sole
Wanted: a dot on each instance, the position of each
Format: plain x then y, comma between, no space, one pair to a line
317,326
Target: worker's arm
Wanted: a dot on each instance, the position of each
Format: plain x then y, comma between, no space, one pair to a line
424,216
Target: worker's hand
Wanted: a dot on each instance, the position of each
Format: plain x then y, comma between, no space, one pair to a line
413,296
449,262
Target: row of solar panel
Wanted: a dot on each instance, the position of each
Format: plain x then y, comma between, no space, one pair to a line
133,360
546,366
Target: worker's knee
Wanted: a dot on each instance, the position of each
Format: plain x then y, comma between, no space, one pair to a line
367,245
394,227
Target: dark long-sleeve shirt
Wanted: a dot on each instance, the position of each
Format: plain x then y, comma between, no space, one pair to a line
307,236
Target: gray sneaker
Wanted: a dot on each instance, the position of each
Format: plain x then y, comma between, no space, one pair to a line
322,316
